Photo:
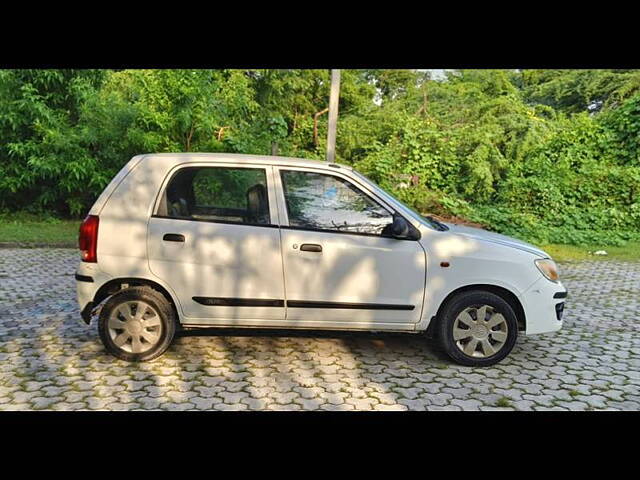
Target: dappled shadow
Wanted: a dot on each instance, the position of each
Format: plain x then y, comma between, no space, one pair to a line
49,360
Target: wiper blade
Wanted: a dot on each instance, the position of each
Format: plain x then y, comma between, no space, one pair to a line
439,225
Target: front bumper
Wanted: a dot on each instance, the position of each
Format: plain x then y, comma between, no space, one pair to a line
543,305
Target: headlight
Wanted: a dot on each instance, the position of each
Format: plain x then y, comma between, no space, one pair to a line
548,268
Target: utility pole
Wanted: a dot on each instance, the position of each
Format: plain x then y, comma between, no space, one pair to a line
333,115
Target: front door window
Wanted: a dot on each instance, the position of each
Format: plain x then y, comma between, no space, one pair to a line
319,201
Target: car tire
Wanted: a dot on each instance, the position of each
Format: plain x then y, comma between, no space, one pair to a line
477,328
137,324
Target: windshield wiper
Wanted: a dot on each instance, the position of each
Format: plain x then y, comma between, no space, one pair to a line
438,224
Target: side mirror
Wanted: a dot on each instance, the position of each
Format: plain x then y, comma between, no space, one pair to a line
400,228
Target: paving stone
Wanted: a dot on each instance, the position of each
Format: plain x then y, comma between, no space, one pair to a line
18,406
410,393
133,385
259,403
285,408
338,407
362,403
152,403
467,404
574,405
458,392
122,406
382,406
309,404
443,408
417,404
177,396
385,398
542,400
440,398
523,405
112,380
32,386
434,387
72,406
40,403
178,406
26,396
234,406
49,360
72,396
626,405
595,401
204,403
101,391
616,395
98,403
232,397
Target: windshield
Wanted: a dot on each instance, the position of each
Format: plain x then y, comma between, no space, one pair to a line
432,222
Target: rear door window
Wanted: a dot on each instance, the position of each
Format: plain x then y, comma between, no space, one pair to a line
223,194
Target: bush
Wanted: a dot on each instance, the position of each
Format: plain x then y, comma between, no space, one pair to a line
549,156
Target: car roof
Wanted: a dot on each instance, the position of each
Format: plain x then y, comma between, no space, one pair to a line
245,158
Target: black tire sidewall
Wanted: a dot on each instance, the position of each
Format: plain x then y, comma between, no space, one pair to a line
456,305
158,302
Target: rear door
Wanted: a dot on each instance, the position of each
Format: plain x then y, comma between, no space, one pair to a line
341,268
214,239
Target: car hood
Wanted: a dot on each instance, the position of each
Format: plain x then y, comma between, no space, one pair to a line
480,234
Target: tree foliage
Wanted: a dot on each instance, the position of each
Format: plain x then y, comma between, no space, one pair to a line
547,155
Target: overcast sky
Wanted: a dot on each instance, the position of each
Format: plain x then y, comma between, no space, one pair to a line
436,73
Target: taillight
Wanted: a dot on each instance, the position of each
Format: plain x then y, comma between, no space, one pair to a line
88,239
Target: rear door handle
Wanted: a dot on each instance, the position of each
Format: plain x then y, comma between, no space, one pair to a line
311,247
173,237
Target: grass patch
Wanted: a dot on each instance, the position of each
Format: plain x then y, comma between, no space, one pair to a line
27,229
504,402
564,253
574,393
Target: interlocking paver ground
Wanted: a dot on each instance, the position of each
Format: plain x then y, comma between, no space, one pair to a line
48,360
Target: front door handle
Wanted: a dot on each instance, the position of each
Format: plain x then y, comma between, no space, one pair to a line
311,247
173,237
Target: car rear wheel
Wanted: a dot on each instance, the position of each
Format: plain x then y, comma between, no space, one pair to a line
137,324
477,328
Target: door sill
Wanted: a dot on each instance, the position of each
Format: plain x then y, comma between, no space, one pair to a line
298,325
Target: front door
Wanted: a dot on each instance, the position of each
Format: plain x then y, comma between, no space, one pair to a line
215,240
340,266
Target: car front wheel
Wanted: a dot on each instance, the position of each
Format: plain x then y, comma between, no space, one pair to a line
477,328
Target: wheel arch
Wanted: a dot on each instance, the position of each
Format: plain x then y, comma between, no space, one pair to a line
502,292
115,285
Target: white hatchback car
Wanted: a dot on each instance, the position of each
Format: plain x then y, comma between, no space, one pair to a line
220,240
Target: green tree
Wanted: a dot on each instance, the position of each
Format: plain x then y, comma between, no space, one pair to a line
577,91
548,155
42,161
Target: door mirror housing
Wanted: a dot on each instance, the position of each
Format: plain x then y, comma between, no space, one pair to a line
402,229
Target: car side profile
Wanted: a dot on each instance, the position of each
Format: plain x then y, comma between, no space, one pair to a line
179,241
